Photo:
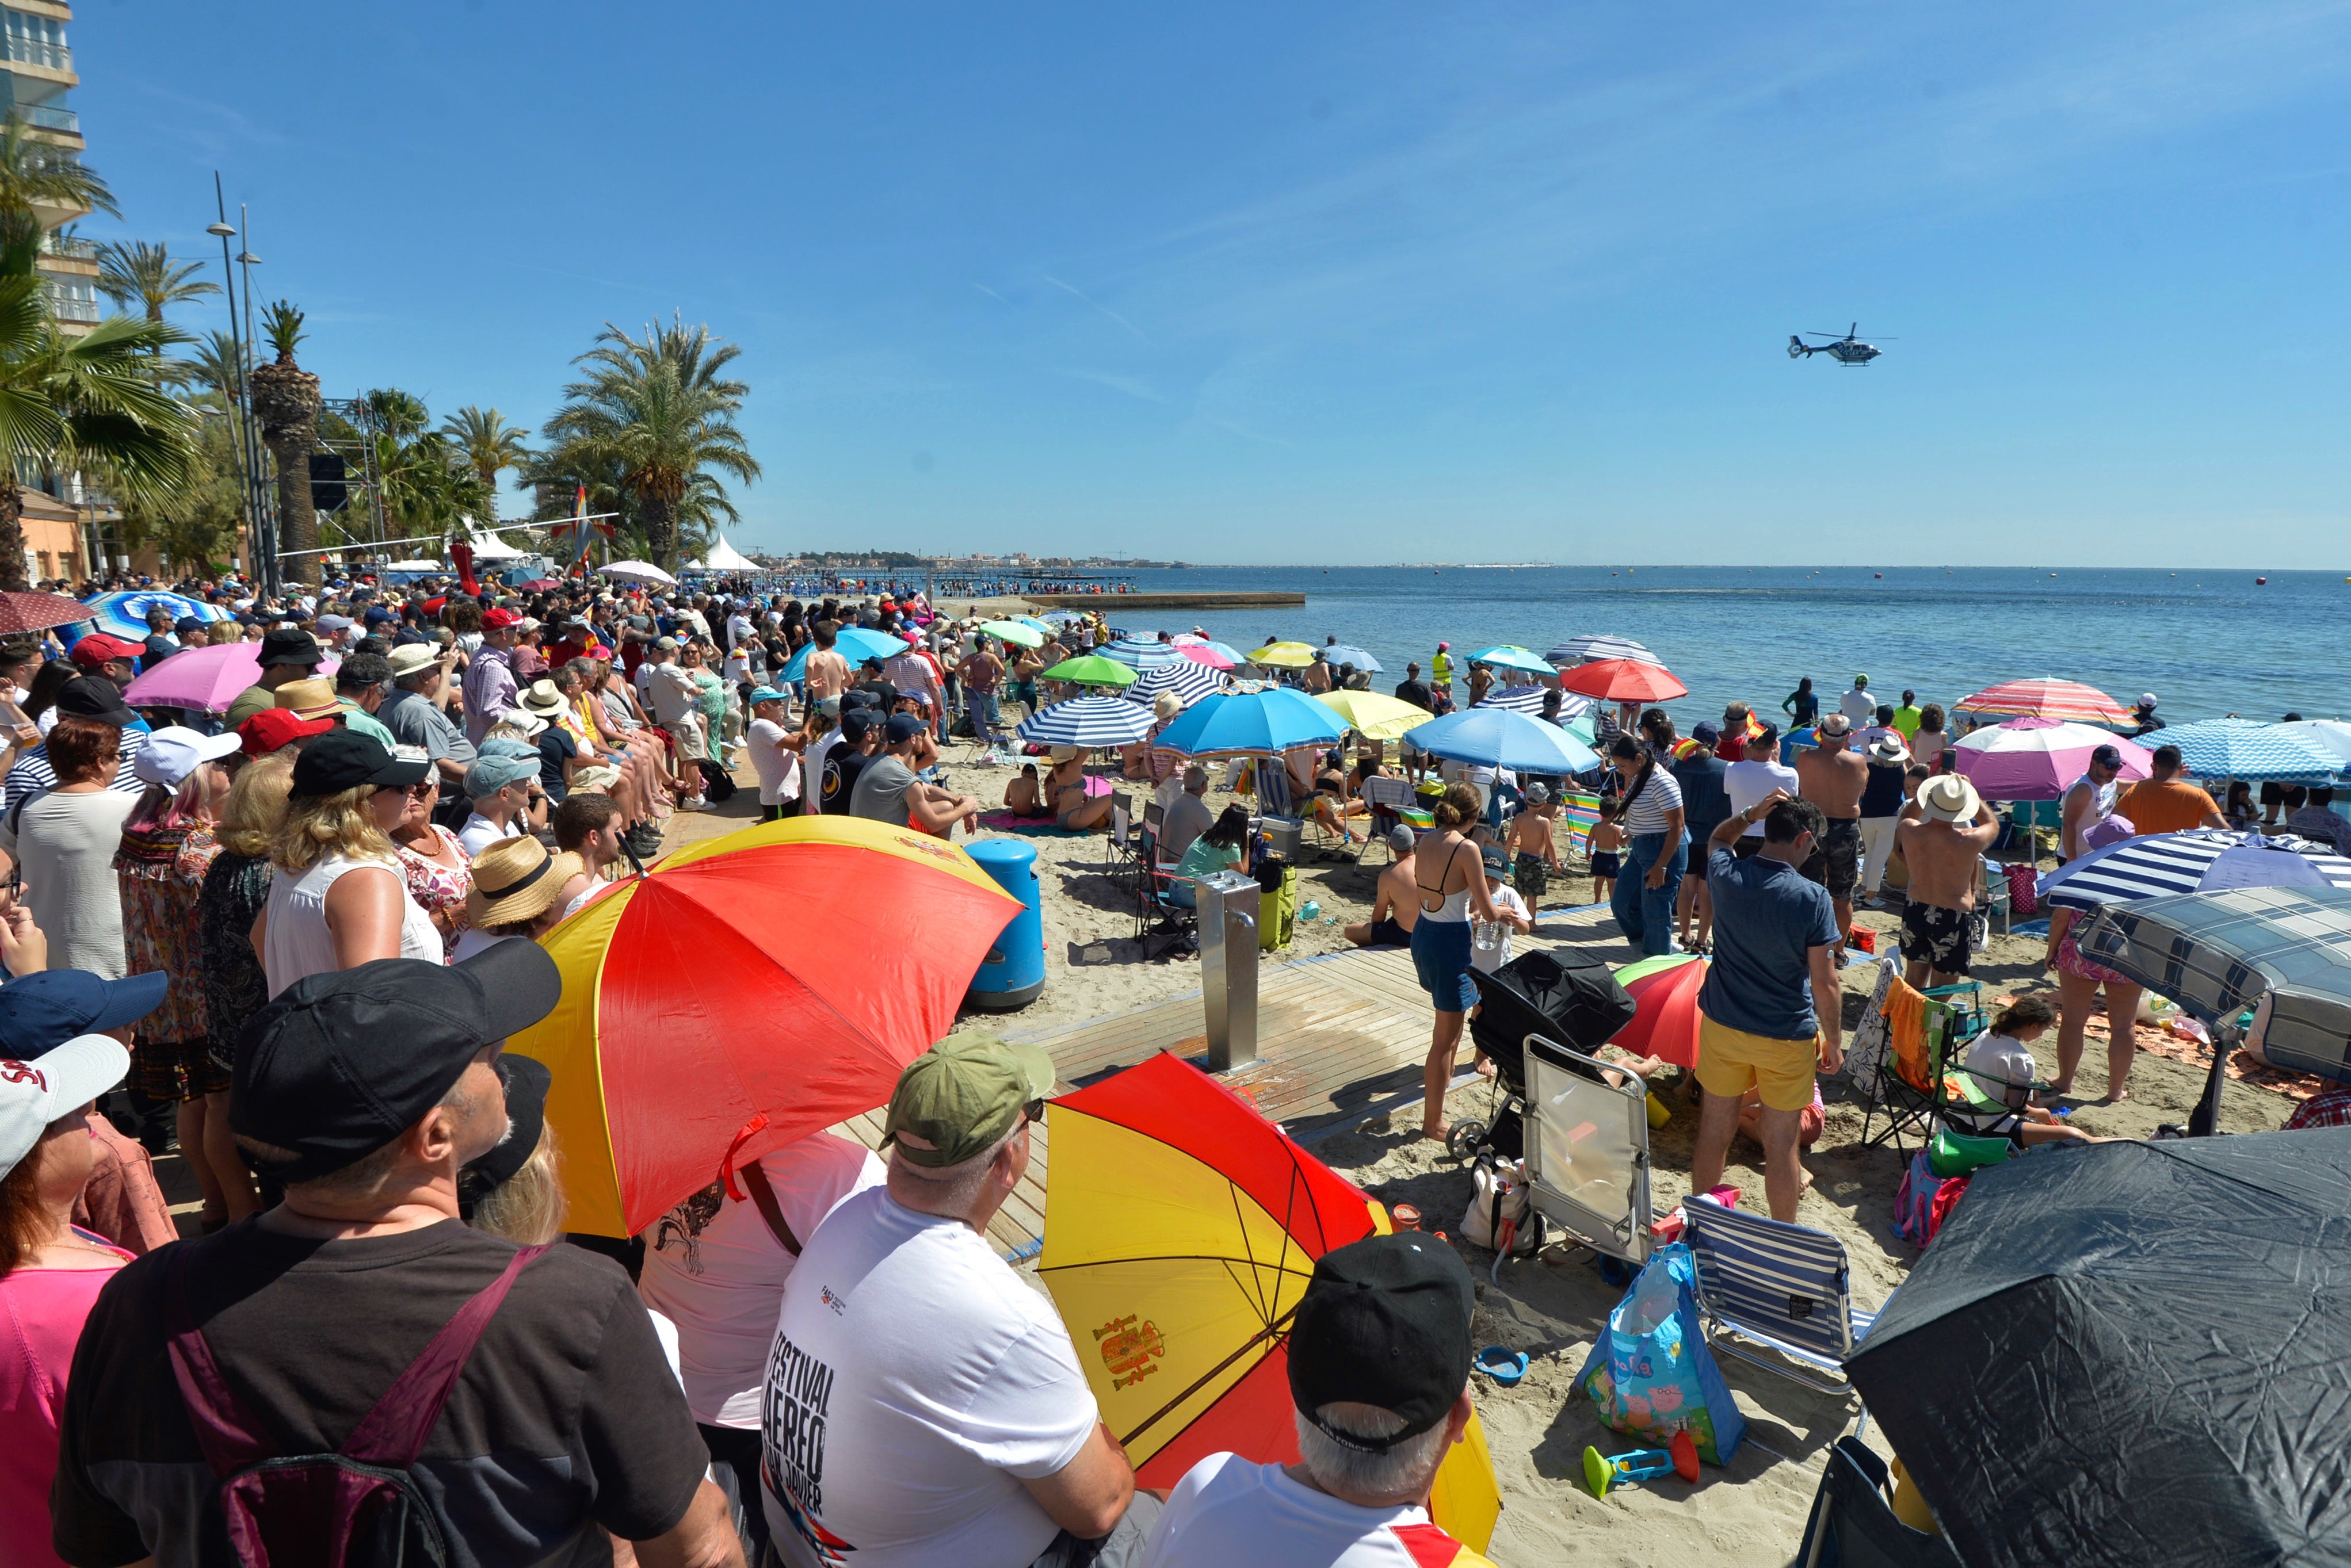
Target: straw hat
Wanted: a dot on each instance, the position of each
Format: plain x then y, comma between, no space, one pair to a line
1889,749
1063,754
1166,705
517,880
544,700
312,699
1947,797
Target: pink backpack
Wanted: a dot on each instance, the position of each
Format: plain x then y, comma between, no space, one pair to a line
358,1507
1922,1201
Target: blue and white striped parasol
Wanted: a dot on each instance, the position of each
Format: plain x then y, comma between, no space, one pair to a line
124,615
1529,699
1593,648
2242,749
1189,682
1088,722
2200,860
1139,652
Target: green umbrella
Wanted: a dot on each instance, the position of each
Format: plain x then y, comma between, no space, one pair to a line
1093,670
1013,631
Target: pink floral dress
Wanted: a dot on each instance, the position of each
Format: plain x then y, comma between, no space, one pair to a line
438,891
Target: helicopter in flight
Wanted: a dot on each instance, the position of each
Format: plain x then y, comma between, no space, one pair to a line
1848,349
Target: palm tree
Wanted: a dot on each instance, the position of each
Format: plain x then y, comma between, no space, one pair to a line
285,401
88,405
659,413
487,445
144,275
33,172
214,364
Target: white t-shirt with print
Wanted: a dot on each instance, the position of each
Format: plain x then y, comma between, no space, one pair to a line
1508,902
719,1272
1229,1513
913,1382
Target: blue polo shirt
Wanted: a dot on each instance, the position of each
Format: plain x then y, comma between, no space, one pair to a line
1767,919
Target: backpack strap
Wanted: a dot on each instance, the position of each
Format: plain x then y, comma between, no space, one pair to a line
392,1433
764,1195
228,1435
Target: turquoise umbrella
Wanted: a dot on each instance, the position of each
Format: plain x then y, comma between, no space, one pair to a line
1510,656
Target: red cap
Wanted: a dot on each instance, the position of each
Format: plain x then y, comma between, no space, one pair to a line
498,616
97,648
272,728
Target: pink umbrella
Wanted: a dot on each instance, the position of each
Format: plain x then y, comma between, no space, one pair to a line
2038,759
1200,654
206,679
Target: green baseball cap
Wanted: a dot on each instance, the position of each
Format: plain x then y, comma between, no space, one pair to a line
963,1095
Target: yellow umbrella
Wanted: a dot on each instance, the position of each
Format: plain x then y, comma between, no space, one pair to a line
1375,717
1287,655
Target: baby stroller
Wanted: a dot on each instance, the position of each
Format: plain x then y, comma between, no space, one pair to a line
1587,1160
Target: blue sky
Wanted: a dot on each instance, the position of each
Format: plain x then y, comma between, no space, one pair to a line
1318,283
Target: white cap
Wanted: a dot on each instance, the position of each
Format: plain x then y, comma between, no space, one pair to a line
171,753
2147,699
35,1093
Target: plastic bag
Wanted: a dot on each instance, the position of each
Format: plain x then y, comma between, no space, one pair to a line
1650,1374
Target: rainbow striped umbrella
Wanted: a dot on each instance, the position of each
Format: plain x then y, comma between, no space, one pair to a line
2045,699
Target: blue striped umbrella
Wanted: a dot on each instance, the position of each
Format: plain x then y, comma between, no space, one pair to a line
1189,682
124,615
2242,749
1138,651
1529,699
2200,860
1088,722
1339,653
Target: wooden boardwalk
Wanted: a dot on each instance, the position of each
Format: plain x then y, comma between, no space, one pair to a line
1340,1038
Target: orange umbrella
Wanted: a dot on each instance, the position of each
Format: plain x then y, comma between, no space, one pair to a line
1623,680
745,992
1666,992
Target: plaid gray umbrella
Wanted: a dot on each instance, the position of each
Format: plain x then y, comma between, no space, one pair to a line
2216,953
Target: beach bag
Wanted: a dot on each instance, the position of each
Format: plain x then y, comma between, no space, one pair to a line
358,1507
1498,1194
1923,1200
1650,1374
2022,898
1865,1055
717,783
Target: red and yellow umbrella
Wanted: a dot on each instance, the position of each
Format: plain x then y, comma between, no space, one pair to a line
747,991
1181,1228
1665,990
2045,699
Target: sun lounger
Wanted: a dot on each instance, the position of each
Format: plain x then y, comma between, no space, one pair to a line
1787,1288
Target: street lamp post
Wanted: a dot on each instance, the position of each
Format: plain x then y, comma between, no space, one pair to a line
260,537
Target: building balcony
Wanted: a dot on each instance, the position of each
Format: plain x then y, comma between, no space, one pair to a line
41,117
23,51
72,245
64,307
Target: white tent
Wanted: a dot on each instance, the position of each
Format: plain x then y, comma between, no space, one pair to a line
725,557
488,546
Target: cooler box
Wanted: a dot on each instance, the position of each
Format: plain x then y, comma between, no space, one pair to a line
1013,972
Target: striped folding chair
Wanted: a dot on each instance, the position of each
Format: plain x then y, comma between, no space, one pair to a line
1389,799
1787,1288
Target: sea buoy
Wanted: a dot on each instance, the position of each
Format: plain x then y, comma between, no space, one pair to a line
2261,582
1877,574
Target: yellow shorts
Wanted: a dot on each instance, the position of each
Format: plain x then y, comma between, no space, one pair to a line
1731,1061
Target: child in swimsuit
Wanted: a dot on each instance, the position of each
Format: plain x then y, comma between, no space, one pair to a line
1604,848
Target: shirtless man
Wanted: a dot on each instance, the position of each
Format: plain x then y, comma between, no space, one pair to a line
1395,909
1831,776
1943,839
828,672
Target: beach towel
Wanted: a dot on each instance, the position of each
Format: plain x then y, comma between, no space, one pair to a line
1034,827
1650,1374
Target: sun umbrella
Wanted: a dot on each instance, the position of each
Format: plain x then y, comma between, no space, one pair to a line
747,991
539,584
2131,1352
1206,656
1510,656
1092,669
1223,650
1062,616
1498,738
1592,649
1665,990
1191,682
1181,1229
1529,699
638,572
24,612
1013,632
1372,716
1041,624
1338,653
1139,652
1284,655
2038,759
2200,860
2045,699
853,643
125,614
1088,722
1251,724
2324,734
1623,680
2242,749
205,680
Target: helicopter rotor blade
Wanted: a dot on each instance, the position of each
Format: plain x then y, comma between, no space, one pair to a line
1839,336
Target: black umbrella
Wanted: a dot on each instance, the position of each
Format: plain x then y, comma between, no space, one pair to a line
2132,1353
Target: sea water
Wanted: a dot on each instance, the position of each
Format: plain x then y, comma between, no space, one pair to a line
2205,643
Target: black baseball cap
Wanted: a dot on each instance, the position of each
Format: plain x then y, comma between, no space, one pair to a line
95,697
856,723
41,1011
288,645
2107,757
901,728
1384,1321
345,759
527,1080
344,1061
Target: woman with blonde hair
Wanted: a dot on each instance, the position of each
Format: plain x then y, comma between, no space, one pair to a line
235,891
166,848
339,900
516,1190
1449,871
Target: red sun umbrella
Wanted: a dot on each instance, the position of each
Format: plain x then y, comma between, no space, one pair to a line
1665,990
1623,680
22,612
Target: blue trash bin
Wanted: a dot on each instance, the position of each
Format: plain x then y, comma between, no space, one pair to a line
1013,972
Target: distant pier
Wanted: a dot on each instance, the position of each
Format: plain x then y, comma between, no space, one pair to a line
1202,600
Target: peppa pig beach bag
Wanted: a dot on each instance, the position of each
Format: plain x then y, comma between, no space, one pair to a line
1650,1374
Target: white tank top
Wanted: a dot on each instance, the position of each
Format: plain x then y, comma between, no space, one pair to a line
1455,909
297,942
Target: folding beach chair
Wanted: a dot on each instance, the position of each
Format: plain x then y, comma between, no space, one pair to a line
1925,1033
1587,1148
1852,1523
1785,1287
1389,799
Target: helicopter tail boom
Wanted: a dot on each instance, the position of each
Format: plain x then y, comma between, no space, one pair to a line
1799,350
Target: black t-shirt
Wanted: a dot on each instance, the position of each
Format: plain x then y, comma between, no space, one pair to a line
566,1417
1417,693
840,782
885,695
556,747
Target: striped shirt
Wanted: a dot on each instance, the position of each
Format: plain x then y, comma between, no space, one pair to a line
1646,812
33,775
